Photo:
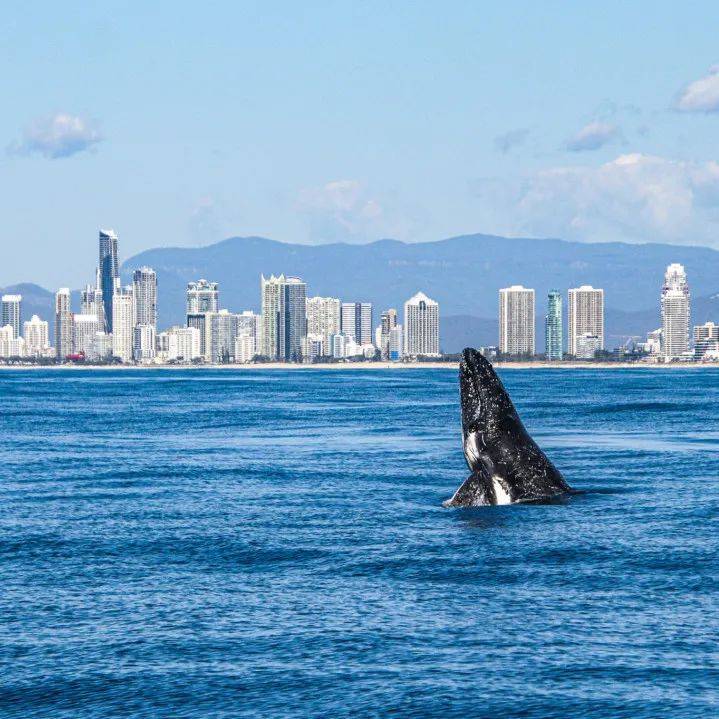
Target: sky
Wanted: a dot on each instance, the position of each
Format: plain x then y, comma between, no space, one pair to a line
181,124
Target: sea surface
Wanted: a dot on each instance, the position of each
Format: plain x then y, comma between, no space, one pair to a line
220,543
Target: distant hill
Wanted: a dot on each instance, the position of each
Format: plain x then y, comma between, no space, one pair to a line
463,274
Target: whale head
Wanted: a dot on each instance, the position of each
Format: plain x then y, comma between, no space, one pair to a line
506,464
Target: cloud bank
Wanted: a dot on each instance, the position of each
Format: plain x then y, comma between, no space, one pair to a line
634,198
58,136
702,95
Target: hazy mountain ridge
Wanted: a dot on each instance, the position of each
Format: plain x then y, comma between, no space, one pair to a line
463,274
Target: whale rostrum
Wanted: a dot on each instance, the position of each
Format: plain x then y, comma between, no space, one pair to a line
506,464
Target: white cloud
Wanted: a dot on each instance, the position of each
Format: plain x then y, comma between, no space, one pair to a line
342,210
57,136
702,95
592,136
634,198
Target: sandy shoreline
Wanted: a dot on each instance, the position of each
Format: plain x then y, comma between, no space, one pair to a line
362,366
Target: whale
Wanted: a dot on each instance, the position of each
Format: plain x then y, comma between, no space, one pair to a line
506,464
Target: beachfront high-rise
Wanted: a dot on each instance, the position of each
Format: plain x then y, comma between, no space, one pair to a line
585,316
675,312
323,318
109,272
421,326
63,324
284,317
357,321
516,321
144,286
202,297
11,313
553,345
37,337
123,323
387,324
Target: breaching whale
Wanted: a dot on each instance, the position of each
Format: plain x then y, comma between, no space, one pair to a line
505,462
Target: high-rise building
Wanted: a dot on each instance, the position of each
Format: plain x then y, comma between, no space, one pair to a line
123,324
102,349
202,296
109,272
91,302
356,321
220,336
63,324
323,318
293,320
144,287
179,344
144,343
10,345
421,326
516,321
284,317
11,313
314,348
706,339
553,326
387,324
37,338
396,335
585,316
84,331
675,312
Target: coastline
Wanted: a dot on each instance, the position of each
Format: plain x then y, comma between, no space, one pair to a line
454,366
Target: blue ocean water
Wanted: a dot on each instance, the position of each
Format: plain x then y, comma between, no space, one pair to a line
199,543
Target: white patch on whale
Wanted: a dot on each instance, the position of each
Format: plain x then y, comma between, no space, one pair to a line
500,492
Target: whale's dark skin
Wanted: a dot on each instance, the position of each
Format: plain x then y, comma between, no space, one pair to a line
506,464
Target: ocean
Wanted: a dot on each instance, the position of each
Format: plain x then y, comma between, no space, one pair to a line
219,543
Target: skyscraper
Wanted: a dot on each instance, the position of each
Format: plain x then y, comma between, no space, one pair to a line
293,319
84,333
323,318
516,321
36,335
387,324
202,297
63,324
357,321
421,326
10,313
675,312
123,323
284,317
109,272
553,326
585,316
144,287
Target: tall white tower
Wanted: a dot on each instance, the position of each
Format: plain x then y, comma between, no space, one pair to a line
516,320
675,312
585,316
421,326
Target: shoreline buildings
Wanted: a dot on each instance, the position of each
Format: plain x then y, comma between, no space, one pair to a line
516,321
675,313
553,344
421,327
585,321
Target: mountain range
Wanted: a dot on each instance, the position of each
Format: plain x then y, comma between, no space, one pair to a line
463,274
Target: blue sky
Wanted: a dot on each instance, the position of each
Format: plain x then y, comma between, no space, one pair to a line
185,123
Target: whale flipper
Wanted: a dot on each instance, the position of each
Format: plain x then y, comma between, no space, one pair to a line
507,465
